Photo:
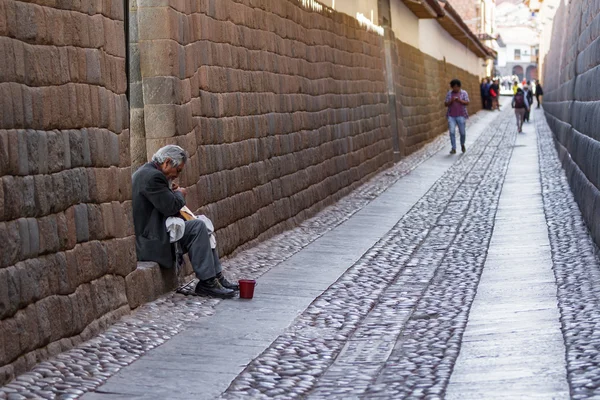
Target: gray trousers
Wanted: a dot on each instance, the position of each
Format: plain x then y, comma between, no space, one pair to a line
520,114
205,260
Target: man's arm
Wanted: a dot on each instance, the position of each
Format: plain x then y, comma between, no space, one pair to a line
448,100
465,100
162,198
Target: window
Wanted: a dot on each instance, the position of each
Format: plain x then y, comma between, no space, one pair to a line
517,54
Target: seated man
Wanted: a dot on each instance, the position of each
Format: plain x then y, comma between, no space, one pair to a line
155,199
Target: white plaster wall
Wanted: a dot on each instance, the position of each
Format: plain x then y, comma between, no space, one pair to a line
351,7
405,24
438,43
502,57
510,53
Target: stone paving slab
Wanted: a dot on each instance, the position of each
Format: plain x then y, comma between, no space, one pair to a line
513,345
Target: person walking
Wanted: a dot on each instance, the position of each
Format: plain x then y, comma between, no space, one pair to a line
519,103
515,87
538,92
457,101
529,96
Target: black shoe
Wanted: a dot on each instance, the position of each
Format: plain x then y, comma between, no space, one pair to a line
212,287
453,151
463,148
226,284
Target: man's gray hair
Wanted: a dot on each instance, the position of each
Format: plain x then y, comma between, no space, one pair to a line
175,153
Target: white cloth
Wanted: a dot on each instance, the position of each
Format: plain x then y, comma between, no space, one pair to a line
211,230
176,228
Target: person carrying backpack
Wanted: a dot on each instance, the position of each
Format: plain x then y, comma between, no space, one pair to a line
520,104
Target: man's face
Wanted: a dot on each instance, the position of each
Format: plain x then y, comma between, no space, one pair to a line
169,170
456,88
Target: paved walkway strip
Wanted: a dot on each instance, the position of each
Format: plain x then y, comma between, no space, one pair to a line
336,348
576,268
513,347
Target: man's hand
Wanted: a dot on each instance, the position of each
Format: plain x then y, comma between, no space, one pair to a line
181,190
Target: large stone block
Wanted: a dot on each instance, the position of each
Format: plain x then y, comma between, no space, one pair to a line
160,120
159,58
142,285
10,237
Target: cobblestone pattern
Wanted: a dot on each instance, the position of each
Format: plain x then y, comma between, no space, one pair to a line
571,102
65,227
577,270
283,109
421,83
91,363
415,285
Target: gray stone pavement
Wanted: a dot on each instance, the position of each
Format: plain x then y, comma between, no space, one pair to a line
466,276
513,347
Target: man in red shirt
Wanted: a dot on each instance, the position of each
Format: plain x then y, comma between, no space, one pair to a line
457,101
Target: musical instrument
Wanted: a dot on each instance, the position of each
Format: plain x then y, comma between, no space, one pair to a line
187,214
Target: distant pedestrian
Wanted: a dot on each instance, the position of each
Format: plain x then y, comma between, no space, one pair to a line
538,92
495,95
482,92
488,97
529,96
515,87
485,94
519,103
457,101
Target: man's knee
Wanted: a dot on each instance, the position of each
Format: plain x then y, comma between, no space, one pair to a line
196,227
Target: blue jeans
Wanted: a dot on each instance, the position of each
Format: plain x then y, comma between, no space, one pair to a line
461,122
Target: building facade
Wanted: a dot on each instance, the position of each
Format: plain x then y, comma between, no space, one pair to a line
518,42
480,17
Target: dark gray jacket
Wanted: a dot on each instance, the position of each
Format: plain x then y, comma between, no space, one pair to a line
153,202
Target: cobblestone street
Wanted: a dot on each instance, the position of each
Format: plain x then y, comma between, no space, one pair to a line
465,276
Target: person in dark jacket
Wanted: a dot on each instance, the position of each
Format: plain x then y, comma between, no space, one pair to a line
538,92
529,95
154,199
482,93
519,103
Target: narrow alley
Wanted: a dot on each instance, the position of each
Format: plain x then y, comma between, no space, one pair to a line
459,276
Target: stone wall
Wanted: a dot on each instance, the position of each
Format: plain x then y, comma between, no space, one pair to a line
421,84
65,220
571,102
282,109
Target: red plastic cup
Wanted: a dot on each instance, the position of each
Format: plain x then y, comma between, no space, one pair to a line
247,288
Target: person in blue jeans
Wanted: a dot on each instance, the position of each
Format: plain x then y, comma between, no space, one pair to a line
457,101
